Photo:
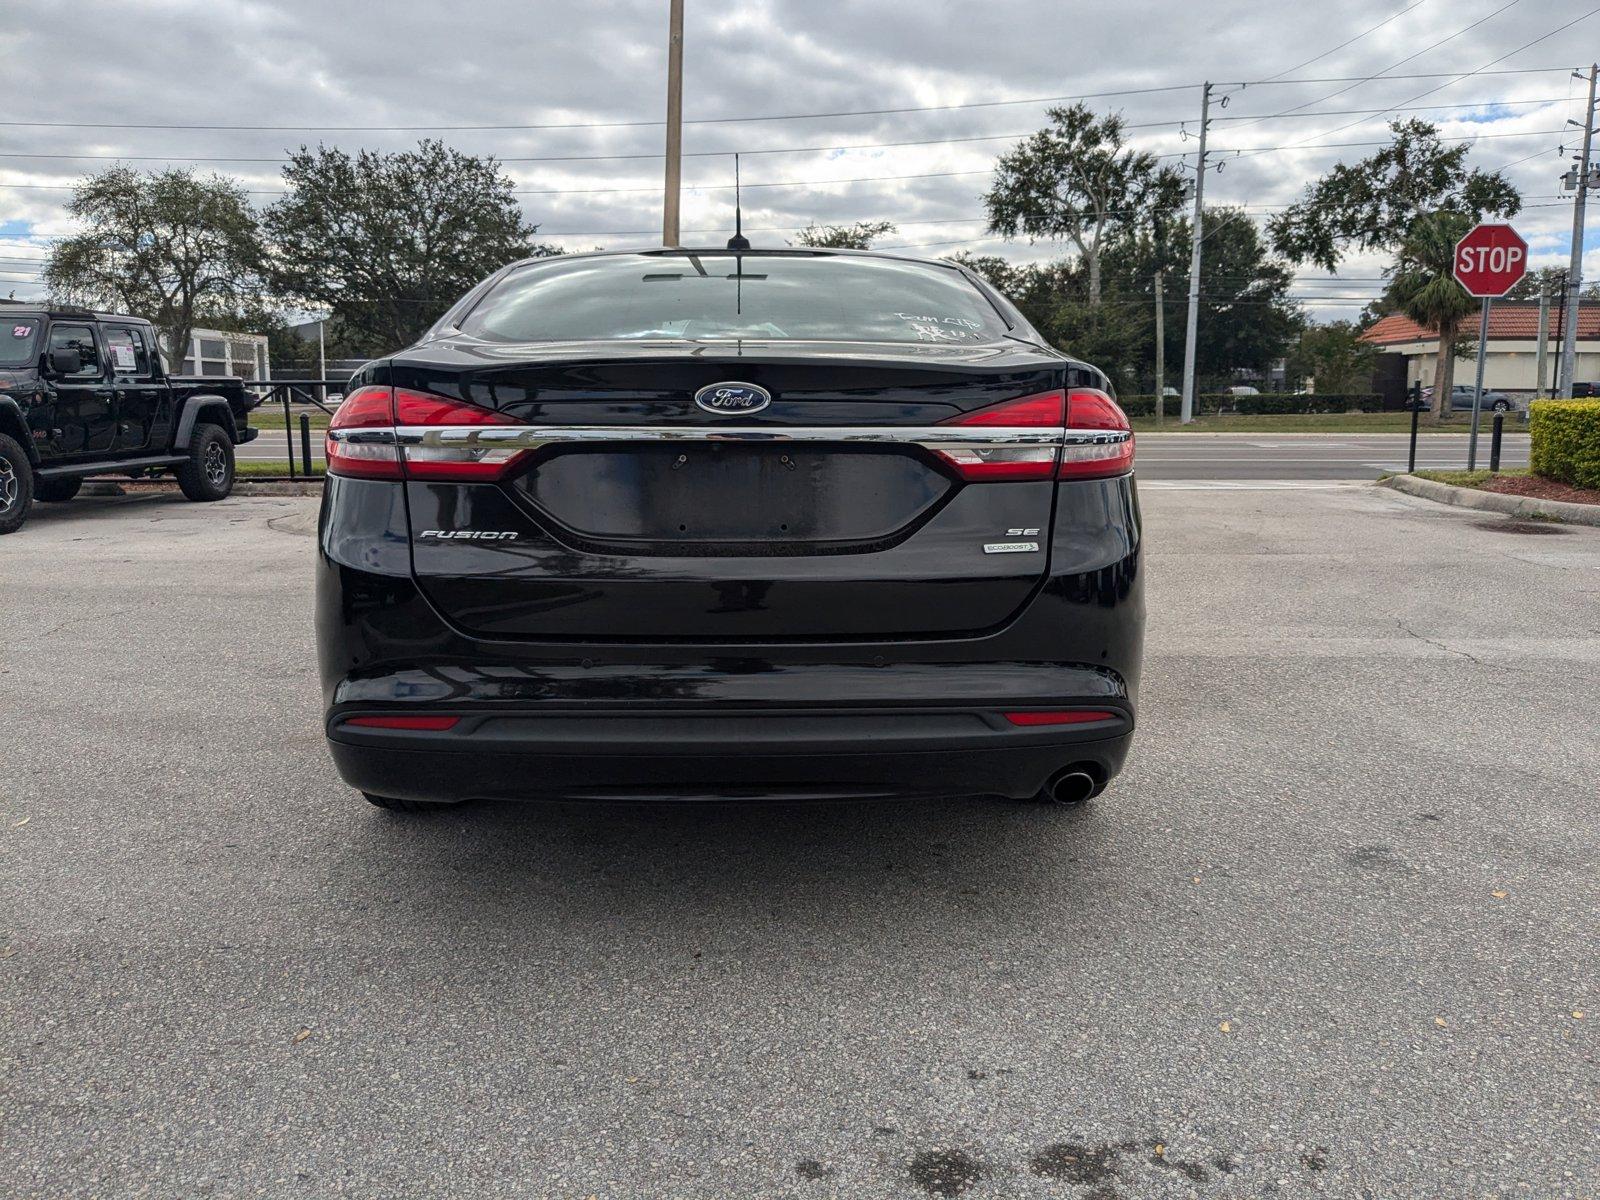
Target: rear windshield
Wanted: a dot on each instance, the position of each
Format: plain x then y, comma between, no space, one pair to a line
724,296
17,337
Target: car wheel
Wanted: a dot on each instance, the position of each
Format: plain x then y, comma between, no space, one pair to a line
1502,406
55,491
16,485
208,475
395,804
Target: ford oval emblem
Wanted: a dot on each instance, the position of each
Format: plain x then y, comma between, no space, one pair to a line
733,398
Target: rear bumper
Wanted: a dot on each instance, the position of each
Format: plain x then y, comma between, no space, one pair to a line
916,716
784,755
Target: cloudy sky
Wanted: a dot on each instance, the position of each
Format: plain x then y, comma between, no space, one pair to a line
570,97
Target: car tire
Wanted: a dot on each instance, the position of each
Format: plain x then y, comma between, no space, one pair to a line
1501,406
16,485
56,491
395,804
208,475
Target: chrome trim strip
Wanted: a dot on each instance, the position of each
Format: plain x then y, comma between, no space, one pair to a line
529,437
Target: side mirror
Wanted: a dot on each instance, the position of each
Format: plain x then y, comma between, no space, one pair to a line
66,362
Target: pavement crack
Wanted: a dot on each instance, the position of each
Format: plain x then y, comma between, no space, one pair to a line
1438,645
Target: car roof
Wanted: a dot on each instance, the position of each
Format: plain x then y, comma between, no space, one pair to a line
28,308
764,251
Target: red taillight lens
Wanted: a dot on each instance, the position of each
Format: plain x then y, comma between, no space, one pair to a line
1036,460
1091,410
1070,716
467,462
365,410
364,438
425,723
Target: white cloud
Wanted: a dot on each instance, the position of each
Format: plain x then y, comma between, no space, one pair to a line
511,62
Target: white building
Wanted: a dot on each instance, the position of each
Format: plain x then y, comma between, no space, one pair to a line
216,352
1511,362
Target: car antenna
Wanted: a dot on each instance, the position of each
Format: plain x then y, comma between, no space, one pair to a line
738,241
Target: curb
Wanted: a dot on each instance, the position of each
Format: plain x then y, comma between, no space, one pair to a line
242,486
1516,506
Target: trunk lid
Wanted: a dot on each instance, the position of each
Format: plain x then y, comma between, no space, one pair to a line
633,513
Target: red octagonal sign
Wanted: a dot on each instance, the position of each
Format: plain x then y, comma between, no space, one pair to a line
1490,260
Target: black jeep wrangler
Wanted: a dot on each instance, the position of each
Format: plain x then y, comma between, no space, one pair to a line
85,393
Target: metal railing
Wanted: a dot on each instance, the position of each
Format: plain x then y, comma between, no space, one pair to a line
289,392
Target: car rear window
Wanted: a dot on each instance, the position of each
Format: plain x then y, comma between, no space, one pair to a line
17,337
722,296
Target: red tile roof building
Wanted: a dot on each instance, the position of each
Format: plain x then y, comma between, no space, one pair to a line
1513,344
1515,320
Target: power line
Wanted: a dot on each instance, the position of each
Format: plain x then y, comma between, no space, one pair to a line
807,116
1400,63
1250,152
1342,45
1290,114
987,137
1463,75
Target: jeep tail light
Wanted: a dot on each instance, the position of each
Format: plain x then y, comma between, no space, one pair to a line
397,433
1099,438
1044,412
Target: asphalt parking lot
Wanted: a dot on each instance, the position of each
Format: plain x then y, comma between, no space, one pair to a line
1331,934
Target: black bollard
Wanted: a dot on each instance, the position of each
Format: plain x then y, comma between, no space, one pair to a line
1494,442
306,444
1416,413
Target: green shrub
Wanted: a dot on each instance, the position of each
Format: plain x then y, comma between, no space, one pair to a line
1270,403
1566,441
1281,403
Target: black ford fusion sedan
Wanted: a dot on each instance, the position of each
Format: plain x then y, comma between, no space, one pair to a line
717,523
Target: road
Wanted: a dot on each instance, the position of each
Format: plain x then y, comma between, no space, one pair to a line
1265,458
1230,458
1330,934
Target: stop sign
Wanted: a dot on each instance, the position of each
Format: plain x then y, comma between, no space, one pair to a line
1490,260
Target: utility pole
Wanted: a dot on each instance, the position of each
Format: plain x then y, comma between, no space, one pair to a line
1561,333
1192,329
1575,267
1542,354
1161,354
674,182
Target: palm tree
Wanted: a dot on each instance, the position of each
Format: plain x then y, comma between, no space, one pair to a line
1424,288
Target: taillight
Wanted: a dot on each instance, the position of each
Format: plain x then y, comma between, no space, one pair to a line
1092,412
360,438
1030,458
461,457
397,433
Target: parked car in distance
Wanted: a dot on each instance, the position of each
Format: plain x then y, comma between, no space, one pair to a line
681,523
86,393
1584,391
1461,399
1244,390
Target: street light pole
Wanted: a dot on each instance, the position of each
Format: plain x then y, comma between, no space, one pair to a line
1575,266
674,180
1161,353
1192,330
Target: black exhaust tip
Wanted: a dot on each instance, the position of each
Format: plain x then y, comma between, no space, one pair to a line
1071,787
